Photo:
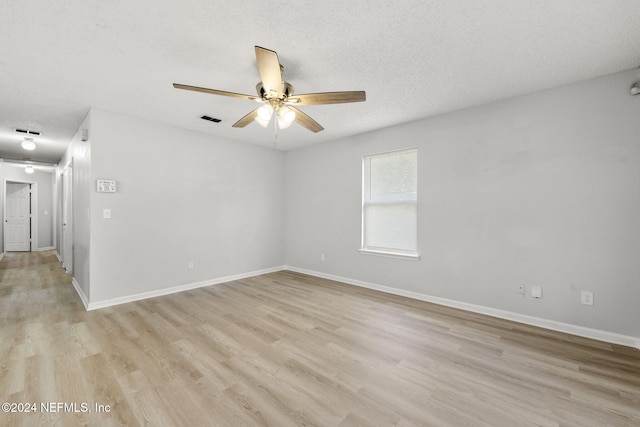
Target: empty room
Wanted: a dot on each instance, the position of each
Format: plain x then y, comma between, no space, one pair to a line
268,213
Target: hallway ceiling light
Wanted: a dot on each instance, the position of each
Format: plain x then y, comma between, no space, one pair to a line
29,169
28,144
635,89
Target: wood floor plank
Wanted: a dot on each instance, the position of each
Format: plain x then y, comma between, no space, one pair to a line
287,349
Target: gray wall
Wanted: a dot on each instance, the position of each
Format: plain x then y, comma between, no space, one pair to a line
542,189
45,180
78,155
181,196
2,189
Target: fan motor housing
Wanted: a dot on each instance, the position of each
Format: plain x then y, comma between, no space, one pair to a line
287,90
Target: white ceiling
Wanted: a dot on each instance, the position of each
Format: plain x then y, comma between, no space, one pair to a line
413,58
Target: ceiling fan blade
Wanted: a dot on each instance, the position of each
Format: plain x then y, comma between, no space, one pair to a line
246,119
327,98
270,72
214,91
307,121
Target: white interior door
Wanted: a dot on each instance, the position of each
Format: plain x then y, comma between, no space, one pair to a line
67,219
17,225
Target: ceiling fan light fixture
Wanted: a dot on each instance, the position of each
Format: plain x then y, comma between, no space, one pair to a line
282,124
261,121
275,93
286,115
29,169
265,112
28,144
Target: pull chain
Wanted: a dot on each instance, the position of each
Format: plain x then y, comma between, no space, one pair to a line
275,131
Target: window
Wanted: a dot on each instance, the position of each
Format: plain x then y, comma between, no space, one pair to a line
390,203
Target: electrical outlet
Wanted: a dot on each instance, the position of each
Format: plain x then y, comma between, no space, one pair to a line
522,289
190,265
586,298
536,291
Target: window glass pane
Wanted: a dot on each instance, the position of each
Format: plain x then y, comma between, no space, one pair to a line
393,176
390,194
390,226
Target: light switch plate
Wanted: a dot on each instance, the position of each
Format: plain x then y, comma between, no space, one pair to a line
106,213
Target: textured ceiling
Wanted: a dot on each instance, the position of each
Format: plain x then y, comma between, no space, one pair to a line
413,58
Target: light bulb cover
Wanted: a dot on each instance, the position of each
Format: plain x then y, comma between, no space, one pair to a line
29,169
282,123
265,112
286,115
261,121
635,89
28,144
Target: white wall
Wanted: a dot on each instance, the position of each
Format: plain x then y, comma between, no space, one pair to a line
2,190
78,155
181,196
45,206
542,189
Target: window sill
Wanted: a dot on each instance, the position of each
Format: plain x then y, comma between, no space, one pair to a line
408,256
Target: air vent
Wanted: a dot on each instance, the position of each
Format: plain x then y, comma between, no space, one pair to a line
27,132
211,119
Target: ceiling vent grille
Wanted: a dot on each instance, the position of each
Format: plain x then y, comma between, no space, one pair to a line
211,119
27,132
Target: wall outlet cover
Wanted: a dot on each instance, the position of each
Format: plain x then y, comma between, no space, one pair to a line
536,291
586,298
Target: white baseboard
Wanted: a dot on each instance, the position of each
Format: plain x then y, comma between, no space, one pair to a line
568,328
1,255
47,248
80,293
93,305
59,257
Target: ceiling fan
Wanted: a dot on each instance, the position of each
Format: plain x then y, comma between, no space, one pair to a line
277,96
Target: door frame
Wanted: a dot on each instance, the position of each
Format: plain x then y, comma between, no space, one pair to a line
33,194
66,194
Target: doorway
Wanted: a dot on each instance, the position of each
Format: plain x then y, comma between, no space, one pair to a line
18,218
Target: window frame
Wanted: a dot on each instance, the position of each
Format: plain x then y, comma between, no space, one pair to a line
383,251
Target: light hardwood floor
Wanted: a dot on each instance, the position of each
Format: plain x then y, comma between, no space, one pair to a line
285,349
